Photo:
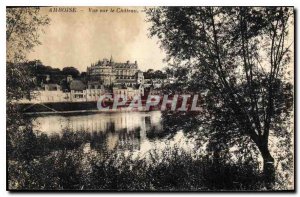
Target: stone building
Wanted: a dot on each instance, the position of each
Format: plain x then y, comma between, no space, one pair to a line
77,90
94,91
129,92
48,93
108,72
103,77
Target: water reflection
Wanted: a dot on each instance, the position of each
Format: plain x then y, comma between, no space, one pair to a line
107,131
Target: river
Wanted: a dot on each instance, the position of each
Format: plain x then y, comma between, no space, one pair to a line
122,131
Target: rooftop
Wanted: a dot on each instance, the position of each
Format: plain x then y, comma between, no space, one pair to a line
77,85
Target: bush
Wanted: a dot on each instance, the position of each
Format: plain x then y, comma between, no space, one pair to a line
176,170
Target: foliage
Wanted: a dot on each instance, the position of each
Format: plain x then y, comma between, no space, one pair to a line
70,71
61,162
151,74
173,169
237,58
23,28
39,72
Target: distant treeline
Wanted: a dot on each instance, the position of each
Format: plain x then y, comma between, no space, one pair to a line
57,75
41,71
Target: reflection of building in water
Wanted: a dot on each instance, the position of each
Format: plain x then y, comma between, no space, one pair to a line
148,123
108,141
109,131
128,139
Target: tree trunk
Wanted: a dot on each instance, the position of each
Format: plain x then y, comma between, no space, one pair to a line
268,166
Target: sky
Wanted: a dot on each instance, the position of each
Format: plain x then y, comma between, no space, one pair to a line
81,38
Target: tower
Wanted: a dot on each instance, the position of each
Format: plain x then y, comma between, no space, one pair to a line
69,78
47,78
140,77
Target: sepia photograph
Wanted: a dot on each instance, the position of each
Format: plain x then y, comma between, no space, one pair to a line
150,99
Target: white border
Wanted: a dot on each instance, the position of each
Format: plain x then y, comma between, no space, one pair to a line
5,3
153,2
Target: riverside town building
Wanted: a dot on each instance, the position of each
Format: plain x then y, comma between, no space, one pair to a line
103,77
108,81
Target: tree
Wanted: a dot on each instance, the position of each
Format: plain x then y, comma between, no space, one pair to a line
83,77
158,74
237,57
23,27
149,74
71,71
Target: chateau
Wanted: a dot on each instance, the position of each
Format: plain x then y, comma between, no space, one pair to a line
108,72
103,77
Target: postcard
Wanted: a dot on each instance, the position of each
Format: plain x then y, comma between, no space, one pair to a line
147,99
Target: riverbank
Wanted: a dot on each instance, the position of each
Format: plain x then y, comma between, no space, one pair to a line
63,163
71,108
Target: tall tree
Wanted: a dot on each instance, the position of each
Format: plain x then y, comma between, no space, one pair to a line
237,57
23,27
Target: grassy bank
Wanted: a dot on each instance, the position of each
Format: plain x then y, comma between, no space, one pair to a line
74,170
61,163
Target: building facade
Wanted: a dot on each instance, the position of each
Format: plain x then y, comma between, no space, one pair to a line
78,91
94,91
103,77
129,92
108,72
